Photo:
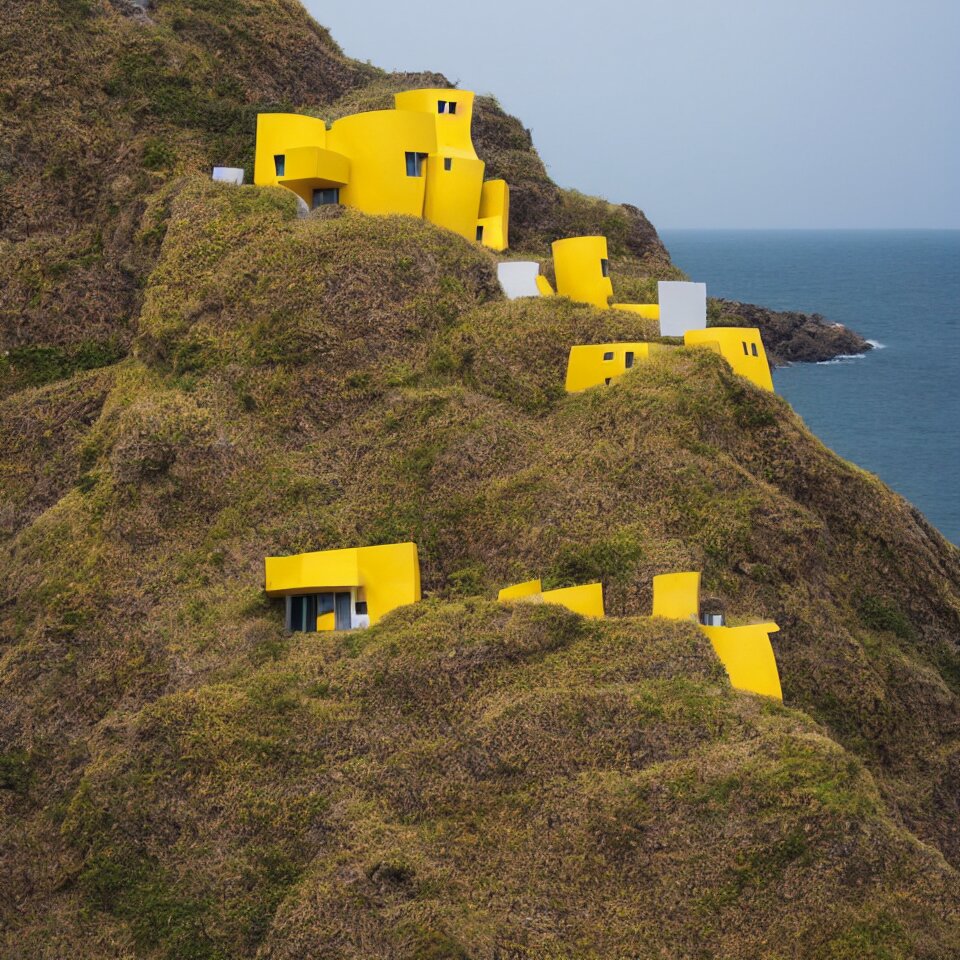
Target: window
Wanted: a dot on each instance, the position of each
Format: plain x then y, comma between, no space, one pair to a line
448,163
324,603
628,359
441,106
279,162
608,355
479,234
607,381
605,267
322,198
746,352
361,608
302,613
452,107
415,164
753,349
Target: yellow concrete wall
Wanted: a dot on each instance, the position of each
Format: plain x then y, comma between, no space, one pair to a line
736,346
586,600
526,589
389,575
376,144
745,652
649,311
494,214
453,196
278,133
577,263
313,168
453,129
747,655
586,366
676,596
543,285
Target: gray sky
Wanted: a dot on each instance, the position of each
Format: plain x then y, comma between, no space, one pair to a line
708,113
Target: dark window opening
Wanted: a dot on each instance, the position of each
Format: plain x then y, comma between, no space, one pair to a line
447,163
608,355
324,603
302,613
607,381
452,106
479,234
341,612
605,267
326,196
746,352
441,106
753,349
628,359
279,163
361,608
415,164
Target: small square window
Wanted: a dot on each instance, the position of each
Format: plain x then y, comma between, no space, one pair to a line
605,267
361,608
607,381
452,107
628,359
441,106
479,234
753,349
448,163
415,163
279,163
746,352
322,198
608,355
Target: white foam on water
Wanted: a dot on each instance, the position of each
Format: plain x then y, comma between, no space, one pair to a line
877,345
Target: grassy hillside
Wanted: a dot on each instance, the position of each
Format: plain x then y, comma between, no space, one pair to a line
103,104
181,779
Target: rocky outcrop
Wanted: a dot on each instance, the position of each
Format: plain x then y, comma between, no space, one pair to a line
788,336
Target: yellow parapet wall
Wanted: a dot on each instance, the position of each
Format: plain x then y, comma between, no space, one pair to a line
741,347
381,577
418,160
745,652
582,268
649,311
587,600
597,363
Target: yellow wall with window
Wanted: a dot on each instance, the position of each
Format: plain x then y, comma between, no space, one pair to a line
593,364
741,347
745,651
386,576
418,160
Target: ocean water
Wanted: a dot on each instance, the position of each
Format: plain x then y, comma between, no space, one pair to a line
896,410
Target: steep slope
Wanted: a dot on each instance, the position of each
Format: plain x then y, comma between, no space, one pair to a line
466,779
104,103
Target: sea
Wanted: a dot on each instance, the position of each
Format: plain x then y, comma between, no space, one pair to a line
894,411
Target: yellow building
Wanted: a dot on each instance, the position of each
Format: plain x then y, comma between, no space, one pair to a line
344,589
741,347
593,364
586,600
582,268
417,160
745,652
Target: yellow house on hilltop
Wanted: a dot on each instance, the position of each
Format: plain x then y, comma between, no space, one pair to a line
746,651
741,347
344,589
417,160
586,600
593,364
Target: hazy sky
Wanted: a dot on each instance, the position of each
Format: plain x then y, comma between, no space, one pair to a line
708,113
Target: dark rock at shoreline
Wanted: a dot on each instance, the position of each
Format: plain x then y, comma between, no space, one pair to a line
790,337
